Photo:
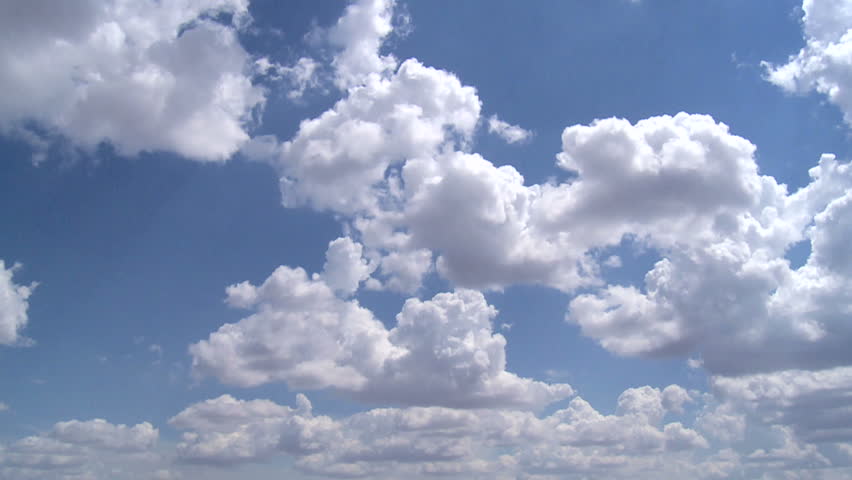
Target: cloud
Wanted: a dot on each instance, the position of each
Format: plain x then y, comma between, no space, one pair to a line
80,449
345,268
422,441
69,67
442,351
227,431
359,33
13,306
301,76
101,434
730,266
824,64
816,405
336,160
508,132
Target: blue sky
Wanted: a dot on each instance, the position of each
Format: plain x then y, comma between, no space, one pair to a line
402,239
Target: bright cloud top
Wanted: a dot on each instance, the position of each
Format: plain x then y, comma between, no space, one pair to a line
70,73
14,303
441,352
824,65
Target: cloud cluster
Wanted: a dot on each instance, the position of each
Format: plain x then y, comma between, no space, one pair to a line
824,64
80,449
696,298
14,304
141,76
420,441
441,352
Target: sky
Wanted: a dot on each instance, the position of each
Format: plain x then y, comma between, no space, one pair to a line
400,240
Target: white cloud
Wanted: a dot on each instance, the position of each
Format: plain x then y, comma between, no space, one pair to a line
824,64
68,67
441,352
337,160
722,421
101,434
301,333
4,407
508,132
345,267
301,76
226,430
359,33
697,297
816,405
403,271
80,449
790,454
417,442
666,181
13,306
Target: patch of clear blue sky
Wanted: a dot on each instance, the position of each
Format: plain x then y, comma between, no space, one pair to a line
133,248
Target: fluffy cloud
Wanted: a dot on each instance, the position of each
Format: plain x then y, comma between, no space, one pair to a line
337,160
101,434
301,333
68,68
733,268
359,34
814,404
824,64
665,181
345,267
13,306
508,132
441,352
422,441
80,449
227,431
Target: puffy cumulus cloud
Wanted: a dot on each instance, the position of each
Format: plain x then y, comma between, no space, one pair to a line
441,352
653,403
94,449
339,161
68,68
423,441
451,356
508,132
731,296
403,271
227,431
815,405
665,181
101,434
824,64
481,220
359,33
345,267
14,304
301,333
